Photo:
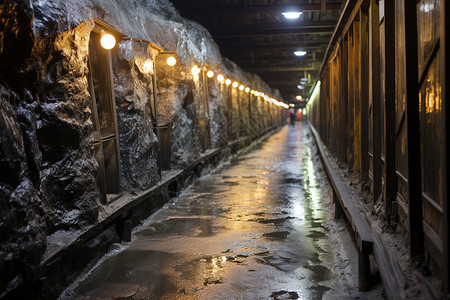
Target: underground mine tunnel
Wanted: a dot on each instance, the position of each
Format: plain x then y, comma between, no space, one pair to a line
257,149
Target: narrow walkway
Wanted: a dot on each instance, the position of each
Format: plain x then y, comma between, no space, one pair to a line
258,228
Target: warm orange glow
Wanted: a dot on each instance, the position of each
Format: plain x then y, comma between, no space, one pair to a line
195,70
148,67
299,97
235,84
228,82
241,87
171,61
220,78
108,41
210,74
247,89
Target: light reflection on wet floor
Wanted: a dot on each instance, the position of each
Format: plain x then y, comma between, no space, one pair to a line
252,230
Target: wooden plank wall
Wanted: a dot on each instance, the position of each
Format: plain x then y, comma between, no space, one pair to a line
373,110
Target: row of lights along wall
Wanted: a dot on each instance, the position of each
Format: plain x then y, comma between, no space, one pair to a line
235,84
108,42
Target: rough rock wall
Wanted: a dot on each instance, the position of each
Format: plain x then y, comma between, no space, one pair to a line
47,163
133,70
218,114
48,168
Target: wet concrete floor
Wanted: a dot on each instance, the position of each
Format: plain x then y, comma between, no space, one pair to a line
255,229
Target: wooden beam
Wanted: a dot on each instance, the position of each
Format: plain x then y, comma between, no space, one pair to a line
271,32
376,105
196,8
389,104
364,52
445,77
415,210
269,26
280,69
254,45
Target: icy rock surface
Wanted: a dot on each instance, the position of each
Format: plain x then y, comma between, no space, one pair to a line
133,89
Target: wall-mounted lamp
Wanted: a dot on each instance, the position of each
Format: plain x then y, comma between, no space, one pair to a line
171,61
241,87
148,67
220,78
210,74
235,84
247,89
107,41
195,70
228,82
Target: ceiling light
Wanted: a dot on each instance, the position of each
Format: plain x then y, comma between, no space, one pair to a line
292,14
210,74
220,78
241,87
235,84
228,82
300,53
247,89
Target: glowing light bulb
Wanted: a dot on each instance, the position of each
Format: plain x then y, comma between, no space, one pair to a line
220,78
235,84
300,53
228,82
241,87
148,67
210,74
292,14
299,97
252,92
195,70
108,41
247,89
171,61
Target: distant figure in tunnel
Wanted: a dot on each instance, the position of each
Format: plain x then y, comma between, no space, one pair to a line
292,117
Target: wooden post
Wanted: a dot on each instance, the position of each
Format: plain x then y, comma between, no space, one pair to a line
416,234
389,104
445,77
364,49
376,125
155,117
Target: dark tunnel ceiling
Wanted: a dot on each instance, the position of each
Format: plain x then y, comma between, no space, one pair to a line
256,36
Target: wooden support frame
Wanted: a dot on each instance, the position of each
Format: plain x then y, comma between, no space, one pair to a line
389,104
415,209
155,117
364,28
376,105
445,77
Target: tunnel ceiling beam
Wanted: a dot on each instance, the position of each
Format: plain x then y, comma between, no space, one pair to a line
197,7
